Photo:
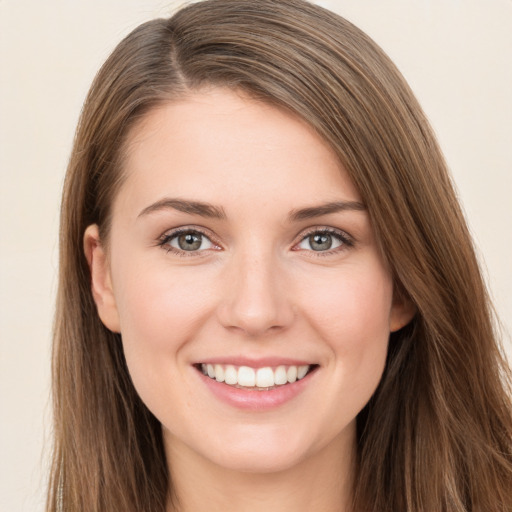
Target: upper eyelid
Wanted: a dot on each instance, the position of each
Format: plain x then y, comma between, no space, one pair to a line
324,229
171,233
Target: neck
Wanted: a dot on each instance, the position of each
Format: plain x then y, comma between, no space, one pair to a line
323,481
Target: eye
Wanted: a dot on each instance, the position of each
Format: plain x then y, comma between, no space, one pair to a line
189,240
324,241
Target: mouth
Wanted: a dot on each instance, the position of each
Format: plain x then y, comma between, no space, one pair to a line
256,379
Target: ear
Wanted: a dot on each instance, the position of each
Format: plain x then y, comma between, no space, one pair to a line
402,312
101,281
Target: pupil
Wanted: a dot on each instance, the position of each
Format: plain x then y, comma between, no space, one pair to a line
189,242
320,242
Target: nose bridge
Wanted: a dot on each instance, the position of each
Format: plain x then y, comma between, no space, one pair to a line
255,300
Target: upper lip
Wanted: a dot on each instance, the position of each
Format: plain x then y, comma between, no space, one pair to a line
260,362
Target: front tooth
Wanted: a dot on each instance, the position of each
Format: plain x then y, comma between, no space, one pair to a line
246,376
211,371
301,372
230,375
219,373
291,374
265,377
280,377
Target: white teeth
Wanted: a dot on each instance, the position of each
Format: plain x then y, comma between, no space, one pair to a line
262,378
231,375
219,373
301,371
291,374
246,377
280,377
265,378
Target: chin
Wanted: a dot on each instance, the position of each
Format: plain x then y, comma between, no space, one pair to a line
265,462
261,450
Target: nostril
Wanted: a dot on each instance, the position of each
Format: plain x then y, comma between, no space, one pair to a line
255,318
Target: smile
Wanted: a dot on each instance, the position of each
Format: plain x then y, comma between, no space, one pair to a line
262,379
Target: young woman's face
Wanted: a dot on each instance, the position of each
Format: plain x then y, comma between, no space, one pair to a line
240,248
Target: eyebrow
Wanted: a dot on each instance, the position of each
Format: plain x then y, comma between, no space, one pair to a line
325,209
185,206
210,211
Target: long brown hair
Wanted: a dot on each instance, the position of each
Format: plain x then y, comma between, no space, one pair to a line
437,434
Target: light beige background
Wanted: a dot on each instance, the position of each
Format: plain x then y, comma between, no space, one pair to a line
456,54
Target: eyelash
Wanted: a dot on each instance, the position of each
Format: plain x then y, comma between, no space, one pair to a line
164,241
345,239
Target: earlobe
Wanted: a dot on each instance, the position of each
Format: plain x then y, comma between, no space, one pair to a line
402,312
101,281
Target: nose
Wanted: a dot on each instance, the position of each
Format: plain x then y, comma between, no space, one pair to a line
255,299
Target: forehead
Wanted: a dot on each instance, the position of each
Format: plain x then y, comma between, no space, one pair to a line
221,145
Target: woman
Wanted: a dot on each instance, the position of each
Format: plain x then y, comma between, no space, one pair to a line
268,296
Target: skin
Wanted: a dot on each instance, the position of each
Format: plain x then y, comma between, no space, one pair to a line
254,288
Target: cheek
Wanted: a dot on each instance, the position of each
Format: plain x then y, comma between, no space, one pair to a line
155,302
350,313
352,305
160,311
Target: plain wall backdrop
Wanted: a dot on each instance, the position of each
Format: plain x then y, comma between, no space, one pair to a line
456,54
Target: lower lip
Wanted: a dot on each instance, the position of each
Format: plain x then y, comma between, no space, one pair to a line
253,399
